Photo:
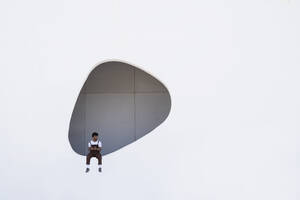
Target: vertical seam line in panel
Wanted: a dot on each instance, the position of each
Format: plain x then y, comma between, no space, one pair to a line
134,103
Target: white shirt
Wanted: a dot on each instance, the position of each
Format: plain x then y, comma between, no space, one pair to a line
92,142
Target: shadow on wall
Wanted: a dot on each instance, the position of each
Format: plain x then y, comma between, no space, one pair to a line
122,103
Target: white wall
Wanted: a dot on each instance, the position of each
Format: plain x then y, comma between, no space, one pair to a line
232,68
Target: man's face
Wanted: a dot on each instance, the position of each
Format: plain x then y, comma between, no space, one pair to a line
95,138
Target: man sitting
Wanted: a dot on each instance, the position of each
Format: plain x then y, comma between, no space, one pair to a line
95,146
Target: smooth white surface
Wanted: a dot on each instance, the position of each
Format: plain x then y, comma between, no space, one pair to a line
232,69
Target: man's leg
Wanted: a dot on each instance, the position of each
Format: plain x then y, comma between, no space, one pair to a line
99,157
88,160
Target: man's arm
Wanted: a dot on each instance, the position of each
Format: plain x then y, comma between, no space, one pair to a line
90,147
99,146
94,148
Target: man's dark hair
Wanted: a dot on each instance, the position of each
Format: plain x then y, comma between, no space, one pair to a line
94,134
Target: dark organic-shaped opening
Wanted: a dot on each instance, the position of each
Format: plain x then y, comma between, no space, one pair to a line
122,103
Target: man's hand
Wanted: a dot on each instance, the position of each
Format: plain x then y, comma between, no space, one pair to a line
95,148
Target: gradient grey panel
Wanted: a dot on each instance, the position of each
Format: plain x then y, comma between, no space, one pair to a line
113,116
77,126
112,77
146,83
151,110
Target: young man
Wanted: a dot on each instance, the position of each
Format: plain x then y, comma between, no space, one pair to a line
95,146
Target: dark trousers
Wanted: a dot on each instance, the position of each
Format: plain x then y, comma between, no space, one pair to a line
96,154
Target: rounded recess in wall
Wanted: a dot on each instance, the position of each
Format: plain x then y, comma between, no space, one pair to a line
121,102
